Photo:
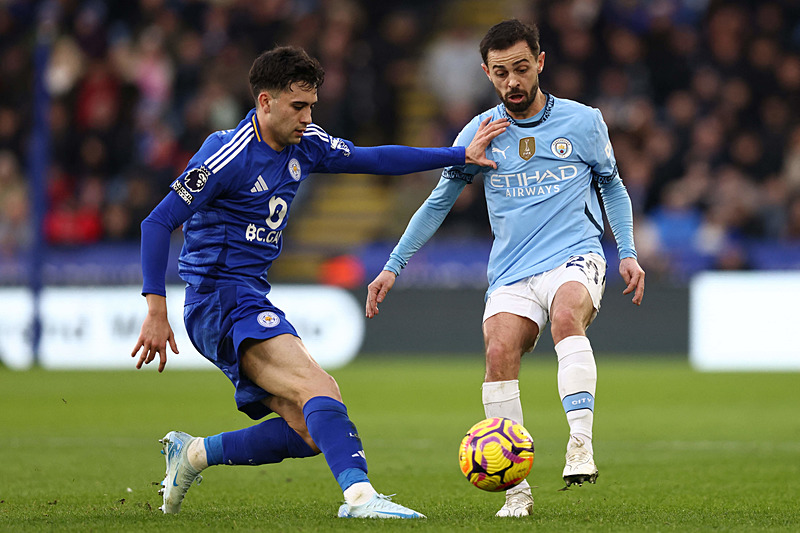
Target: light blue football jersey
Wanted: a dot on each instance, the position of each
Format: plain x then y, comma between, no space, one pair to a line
542,200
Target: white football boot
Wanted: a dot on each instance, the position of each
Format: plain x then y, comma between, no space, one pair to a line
180,474
379,506
580,465
518,503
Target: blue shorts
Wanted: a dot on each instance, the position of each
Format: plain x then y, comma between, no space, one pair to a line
218,322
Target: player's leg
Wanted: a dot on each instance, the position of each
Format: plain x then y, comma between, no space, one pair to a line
268,442
219,324
577,372
507,336
509,331
572,309
251,341
283,366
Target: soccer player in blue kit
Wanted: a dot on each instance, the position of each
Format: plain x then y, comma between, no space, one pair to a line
546,261
233,200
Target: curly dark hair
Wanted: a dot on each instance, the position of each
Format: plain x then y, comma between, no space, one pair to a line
277,69
504,35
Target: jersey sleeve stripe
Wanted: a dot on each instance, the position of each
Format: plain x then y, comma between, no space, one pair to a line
240,146
230,145
315,134
316,130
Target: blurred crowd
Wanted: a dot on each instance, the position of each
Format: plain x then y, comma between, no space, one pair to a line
701,98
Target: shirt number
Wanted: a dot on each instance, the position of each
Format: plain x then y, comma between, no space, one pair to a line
277,212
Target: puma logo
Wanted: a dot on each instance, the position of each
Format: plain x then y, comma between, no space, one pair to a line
503,151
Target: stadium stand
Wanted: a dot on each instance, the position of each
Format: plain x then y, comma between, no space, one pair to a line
701,99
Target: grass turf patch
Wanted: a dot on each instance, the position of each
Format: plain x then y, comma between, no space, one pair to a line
677,450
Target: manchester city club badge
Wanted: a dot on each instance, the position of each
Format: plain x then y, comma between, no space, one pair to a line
561,147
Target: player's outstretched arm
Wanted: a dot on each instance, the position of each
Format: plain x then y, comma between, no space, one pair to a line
633,275
377,290
475,153
156,333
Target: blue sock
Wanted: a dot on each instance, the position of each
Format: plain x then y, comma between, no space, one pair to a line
337,437
271,441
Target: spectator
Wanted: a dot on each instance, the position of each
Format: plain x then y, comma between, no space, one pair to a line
15,228
683,86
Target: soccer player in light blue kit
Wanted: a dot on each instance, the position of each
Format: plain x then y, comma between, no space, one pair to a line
234,200
546,261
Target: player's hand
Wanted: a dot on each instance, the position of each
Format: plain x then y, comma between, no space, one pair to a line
633,275
476,151
377,290
155,335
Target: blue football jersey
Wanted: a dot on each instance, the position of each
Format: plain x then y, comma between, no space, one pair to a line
240,191
543,206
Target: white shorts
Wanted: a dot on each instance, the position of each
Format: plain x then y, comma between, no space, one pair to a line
532,297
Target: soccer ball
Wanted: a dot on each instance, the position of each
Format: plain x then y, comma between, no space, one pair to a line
496,454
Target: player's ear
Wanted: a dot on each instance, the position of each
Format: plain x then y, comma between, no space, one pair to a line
540,62
264,101
486,70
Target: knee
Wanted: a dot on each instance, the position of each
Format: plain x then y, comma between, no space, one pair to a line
502,361
328,387
496,351
565,322
564,317
319,384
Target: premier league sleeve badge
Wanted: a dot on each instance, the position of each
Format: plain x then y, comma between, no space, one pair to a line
196,179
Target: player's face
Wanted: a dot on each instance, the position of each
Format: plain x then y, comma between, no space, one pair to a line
514,72
287,115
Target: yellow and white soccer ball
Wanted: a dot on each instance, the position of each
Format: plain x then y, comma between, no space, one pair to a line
496,454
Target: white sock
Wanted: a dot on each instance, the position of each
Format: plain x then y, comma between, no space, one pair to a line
576,439
501,399
196,452
577,382
359,493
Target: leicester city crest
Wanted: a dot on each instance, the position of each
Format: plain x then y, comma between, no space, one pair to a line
196,179
561,147
294,169
527,147
268,319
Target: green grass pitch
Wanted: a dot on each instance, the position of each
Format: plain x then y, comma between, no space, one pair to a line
677,450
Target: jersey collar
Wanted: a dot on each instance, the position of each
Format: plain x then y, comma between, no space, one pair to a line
261,142
548,107
255,128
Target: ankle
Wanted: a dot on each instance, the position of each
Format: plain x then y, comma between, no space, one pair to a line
196,453
359,493
580,439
